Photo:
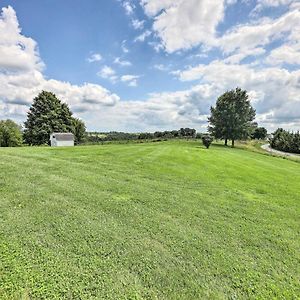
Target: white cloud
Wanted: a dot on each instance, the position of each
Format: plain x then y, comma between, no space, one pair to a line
125,78
94,57
285,54
143,36
261,4
129,7
108,73
153,7
17,52
183,24
168,110
275,92
21,78
123,63
264,31
137,24
238,57
272,89
131,80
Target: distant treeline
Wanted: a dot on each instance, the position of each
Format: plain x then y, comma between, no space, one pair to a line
286,141
100,137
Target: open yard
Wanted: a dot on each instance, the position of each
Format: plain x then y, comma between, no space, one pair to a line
167,220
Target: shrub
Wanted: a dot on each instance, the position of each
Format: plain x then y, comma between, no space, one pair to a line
207,140
10,134
286,141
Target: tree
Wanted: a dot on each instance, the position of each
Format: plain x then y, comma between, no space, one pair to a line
286,141
260,133
207,140
78,130
10,134
187,132
232,117
47,114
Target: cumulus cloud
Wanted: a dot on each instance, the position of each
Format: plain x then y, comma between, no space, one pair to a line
285,54
261,33
161,111
21,77
272,89
183,24
17,52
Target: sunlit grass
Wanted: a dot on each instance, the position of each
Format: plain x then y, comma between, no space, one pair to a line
168,220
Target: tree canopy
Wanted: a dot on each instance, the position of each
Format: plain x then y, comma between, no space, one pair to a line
48,114
10,134
286,141
232,117
78,130
260,133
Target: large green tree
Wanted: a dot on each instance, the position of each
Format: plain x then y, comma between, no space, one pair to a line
260,133
10,134
78,130
232,117
47,114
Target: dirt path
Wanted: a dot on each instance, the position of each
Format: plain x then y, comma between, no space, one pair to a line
268,148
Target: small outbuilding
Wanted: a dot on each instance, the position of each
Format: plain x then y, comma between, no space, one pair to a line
61,139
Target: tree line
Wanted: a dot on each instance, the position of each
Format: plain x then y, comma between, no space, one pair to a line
100,137
286,141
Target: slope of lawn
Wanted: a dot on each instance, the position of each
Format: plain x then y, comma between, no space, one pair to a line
167,220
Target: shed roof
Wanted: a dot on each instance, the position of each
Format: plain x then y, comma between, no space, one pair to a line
63,136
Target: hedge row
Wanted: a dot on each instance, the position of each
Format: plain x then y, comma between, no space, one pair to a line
286,141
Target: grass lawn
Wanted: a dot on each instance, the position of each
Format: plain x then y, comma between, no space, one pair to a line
167,220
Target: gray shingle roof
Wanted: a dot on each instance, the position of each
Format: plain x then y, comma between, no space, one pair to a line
63,136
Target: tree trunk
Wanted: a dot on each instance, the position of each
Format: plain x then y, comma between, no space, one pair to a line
232,144
226,142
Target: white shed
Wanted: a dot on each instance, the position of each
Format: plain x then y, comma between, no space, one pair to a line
61,139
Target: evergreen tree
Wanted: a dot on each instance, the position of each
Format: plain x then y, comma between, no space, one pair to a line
47,114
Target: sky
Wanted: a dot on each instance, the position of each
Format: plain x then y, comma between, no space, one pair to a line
147,65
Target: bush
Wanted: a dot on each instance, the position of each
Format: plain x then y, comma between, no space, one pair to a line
207,140
286,141
10,134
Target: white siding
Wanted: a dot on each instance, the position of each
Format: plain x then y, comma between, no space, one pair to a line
64,143
59,142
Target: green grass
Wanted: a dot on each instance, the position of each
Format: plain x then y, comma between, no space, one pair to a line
167,220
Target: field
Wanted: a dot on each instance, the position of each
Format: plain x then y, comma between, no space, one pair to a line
167,220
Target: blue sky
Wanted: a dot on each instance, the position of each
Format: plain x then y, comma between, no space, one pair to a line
145,65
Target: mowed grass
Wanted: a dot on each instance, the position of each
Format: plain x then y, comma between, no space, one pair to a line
168,220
